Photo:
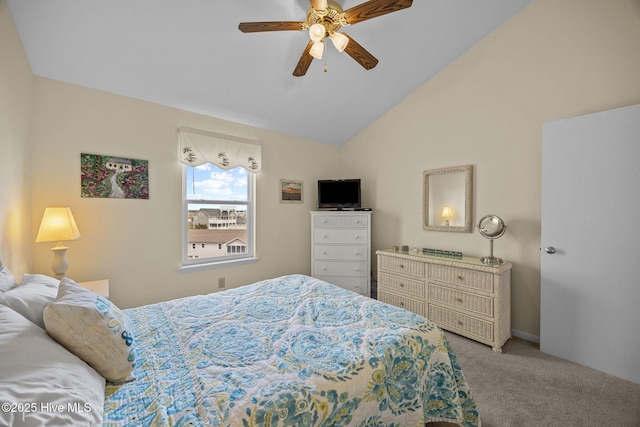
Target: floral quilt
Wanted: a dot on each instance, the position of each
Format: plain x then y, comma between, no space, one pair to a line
289,351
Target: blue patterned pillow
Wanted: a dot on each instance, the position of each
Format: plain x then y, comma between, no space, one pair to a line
94,329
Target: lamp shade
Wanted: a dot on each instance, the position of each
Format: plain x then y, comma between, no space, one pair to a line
57,225
340,41
317,32
446,212
317,50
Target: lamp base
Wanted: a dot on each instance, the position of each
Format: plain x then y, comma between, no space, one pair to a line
491,260
60,263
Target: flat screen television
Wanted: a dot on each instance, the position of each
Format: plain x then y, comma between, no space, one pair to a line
339,194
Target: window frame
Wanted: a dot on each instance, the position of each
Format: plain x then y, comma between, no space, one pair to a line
225,260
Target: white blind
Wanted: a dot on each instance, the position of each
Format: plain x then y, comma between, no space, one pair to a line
225,151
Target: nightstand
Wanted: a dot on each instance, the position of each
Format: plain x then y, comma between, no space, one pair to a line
100,287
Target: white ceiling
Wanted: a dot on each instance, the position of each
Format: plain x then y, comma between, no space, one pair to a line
190,54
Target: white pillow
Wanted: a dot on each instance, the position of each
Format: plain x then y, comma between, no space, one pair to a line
7,281
92,328
40,278
31,296
42,382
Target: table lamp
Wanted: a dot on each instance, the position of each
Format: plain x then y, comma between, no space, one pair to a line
58,225
446,214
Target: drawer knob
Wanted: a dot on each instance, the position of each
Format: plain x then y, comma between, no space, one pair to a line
459,300
324,268
402,304
324,252
460,323
401,266
356,253
324,236
356,269
357,236
461,278
324,221
402,285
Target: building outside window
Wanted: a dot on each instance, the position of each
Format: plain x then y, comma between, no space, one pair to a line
218,209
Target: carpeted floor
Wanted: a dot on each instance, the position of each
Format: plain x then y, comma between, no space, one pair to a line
523,387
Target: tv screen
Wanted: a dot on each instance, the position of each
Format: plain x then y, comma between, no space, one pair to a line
339,193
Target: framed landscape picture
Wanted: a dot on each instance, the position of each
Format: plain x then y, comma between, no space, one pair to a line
113,177
290,191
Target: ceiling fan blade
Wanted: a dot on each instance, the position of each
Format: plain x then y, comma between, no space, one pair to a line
319,4
360,54
374,8
304,62
256,27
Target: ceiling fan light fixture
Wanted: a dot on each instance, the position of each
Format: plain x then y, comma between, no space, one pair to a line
317,32
319,4
324,19
340,41
317,49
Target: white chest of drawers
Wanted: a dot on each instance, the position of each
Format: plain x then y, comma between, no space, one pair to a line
341,249
463,296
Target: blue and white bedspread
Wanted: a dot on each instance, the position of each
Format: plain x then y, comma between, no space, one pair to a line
291,351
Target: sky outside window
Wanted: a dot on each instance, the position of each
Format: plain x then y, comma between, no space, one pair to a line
208,182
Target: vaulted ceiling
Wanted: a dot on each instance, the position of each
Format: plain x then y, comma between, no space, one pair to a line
190,54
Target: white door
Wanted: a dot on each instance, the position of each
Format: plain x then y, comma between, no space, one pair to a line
590,286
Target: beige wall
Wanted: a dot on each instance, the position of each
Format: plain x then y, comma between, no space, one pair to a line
551,61
555,59
15,121
136,244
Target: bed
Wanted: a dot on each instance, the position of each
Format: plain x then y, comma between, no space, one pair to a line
288,351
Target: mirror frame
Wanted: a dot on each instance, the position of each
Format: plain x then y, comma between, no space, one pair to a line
468,199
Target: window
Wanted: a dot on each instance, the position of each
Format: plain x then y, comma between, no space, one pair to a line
218,202
219,214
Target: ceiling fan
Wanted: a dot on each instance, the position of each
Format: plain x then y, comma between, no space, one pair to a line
324,19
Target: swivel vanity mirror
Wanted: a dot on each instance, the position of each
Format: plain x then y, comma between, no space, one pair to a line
491,227
447,199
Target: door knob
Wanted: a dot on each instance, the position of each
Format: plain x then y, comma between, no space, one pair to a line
550,250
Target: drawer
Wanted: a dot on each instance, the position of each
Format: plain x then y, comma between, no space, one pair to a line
355,284
462,277
401,284
347,253
341,221
455,321
402,266
333,236
412,305
471,302
337,268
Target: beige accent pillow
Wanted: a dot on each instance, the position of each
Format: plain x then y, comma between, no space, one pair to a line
94,329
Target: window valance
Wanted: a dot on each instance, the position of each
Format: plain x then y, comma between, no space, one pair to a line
225,151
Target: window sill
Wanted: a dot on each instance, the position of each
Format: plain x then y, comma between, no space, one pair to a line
217,264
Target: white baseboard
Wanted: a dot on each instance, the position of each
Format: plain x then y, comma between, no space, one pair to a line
525,336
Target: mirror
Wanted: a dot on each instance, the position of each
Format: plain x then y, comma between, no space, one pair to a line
491,227
447,199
